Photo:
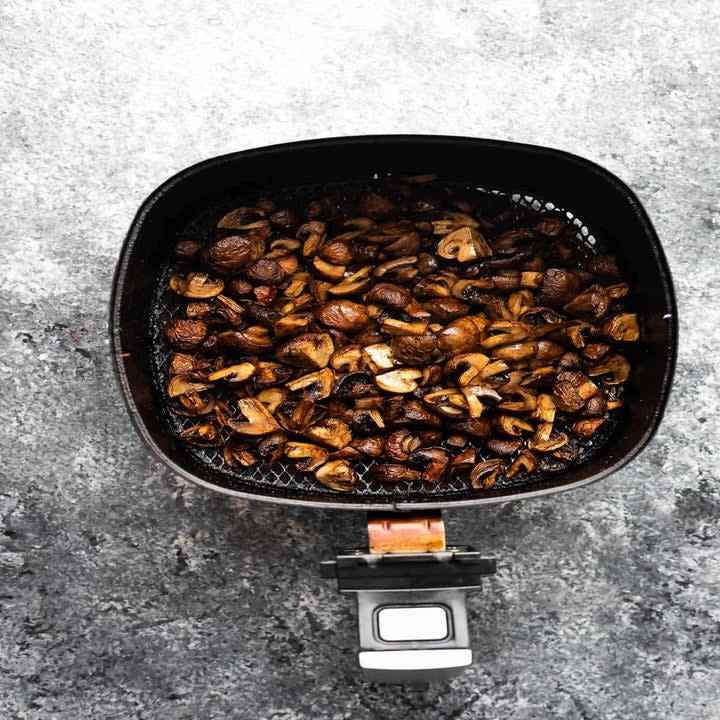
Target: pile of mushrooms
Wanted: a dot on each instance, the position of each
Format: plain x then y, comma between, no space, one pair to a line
440,332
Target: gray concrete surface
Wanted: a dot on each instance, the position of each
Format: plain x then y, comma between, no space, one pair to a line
127,593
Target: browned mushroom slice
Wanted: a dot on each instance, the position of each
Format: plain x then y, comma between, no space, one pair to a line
404,380
196,285
391,326
229,255
311,350
233,373
229,309
477,397
389,295
235,454
532,280
307,456
573,389
545,408
400,444
183,364
271,447
623,327
515,352
434,286
180,385
378,357
347,359
463,245
345,315
337,475
511,425
316,385
596,351
595,406
525,402
588,427
259,421
447,402
312,236
186,334
525,462
485,474
366,421
251,340
271,373
353,283
459,336
265,271
434,461
239,217
465,368
371,446
593,302
414,349
192,404
332,432
558,287
463,461
545,440
206,434
391,473
395,267
295,324
337,252
444,309
272,398
328,270
503,447
356,385
414,413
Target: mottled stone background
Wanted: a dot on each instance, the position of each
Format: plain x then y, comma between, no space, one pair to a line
127,593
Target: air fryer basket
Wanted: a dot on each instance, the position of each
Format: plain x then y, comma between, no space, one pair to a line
605,212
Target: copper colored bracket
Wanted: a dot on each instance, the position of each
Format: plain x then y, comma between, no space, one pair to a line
412,533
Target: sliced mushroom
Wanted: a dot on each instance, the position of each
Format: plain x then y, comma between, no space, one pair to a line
378,357
259,421
399,381
390,326
328,270
316,385
229,255
295,324
463,245
588,427
311,350
623,327
614,370
465,368
186,334
353,283
270,373
196,285
337,475
400,444
504,447
332,432
573,389
272,398
525,462
459,336
345,315
206,434
192,405
233,373
391,473
414,349
511,425
389,295
347,359
434,462
371,446
236,454
463,461
365,420
485,474
355,385
447,402
312,236
515,352
307,456
251,340
593,302
181,385
525,402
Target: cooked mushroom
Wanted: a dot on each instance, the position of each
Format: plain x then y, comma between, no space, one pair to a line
558,287
228,255
378,357
614,370
345,315
525,462
259,421
196,285
312,236
307,456
206,434
463,461
307,350
511,425
414,349
186,334
233,373
463,245
433,460
251,340
337,475
353,283
235,454
447,402
332,432
389,295
399,381
594,302
400,444
504,447
588,427
573,389
485,474
355,385
390,473
460,336
623,327
316,385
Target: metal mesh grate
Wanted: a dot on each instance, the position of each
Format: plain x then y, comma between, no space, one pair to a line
282,476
